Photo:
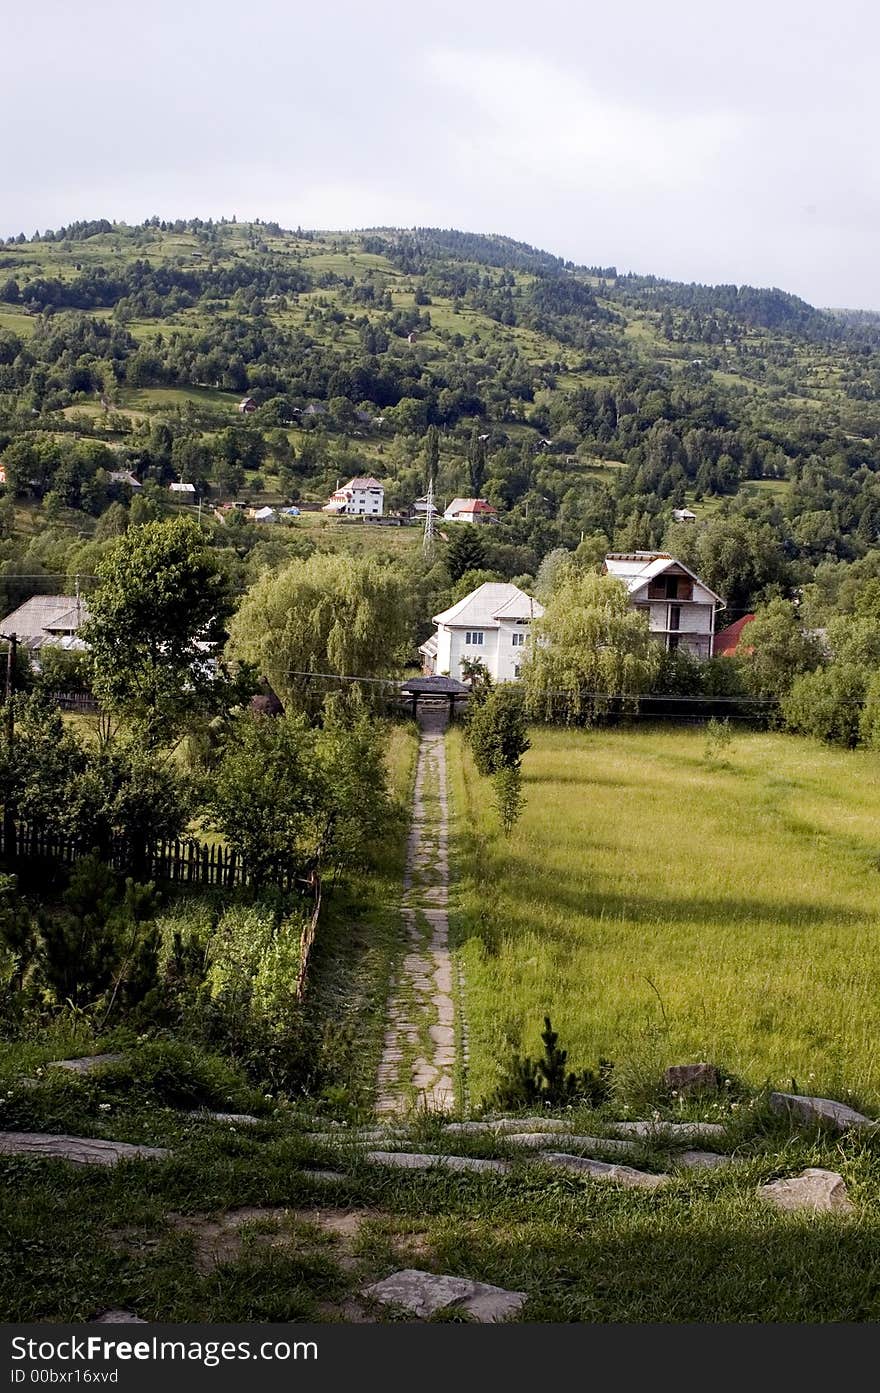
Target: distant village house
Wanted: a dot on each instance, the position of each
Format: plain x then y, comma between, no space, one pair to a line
491,623
361,497
470,510
47,620
679,606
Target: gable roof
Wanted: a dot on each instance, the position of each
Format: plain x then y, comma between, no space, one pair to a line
727,640
488,604
637,568
364,483
470,505
42,617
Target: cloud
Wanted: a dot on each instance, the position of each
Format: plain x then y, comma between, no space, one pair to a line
536,120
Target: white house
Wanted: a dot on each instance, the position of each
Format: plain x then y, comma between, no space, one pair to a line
48,620
470,510
683,515
359,497
680,607
491,624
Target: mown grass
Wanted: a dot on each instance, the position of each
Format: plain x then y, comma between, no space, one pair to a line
662,907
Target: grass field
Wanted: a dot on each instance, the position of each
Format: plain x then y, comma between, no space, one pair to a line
664,907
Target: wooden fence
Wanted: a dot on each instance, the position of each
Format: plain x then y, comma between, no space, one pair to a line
188,862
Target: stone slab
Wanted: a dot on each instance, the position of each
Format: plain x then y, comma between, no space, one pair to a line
814,1190
691,1078
83,1151
87,1064
604,1170
420,1160
683,1131
425,1293
508,1124
818,1110
570,1141
701,1160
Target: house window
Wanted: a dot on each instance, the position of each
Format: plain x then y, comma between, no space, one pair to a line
473,637
517,671
675,616
517,640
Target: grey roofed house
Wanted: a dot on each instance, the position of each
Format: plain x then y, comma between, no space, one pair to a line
47,619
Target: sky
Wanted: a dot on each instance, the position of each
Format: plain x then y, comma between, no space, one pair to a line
688,139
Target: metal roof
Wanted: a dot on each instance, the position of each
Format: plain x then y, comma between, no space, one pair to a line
484,607
426,686
637,568
42,616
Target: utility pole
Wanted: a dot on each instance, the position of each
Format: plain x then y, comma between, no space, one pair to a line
12,646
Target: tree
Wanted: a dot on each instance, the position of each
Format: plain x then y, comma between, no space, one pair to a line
509,801
157,628
476,458
432,453
465,551
780,649
288,796
827,704
345,616
497,729
588,650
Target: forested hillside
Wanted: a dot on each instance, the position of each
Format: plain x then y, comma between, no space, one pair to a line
583,404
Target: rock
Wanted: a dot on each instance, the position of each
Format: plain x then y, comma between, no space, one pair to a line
508,1124
88,1064
683,1131
569,1140
818,1110
604,1170
691,1078
419,1160
424,1293
818,1191
118,1318
701,1160
83,1151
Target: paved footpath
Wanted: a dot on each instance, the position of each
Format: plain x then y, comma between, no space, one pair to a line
418,1053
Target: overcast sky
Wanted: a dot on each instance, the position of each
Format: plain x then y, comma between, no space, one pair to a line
688,138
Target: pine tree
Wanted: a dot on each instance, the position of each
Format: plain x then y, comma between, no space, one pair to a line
476,456
465,551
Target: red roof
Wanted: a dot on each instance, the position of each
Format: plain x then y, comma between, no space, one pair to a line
727,640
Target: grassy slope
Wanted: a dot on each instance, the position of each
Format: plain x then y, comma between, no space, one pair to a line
663,908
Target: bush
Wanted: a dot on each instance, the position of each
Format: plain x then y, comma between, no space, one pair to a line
827,704
497,730
545,1081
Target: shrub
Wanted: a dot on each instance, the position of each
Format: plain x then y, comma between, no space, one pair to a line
827,704
509,799
497,730
546,1080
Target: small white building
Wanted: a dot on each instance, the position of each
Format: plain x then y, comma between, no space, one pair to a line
358,498
492,624
264,515
680,607
186,492
470,510
683,515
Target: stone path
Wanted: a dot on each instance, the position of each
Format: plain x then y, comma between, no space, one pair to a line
418,1052
83,1151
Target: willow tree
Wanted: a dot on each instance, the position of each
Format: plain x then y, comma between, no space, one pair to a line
320,621
590,652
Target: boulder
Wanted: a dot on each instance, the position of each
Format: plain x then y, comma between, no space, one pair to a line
818,1110
604,1170
691,1078
424,1293
817,1191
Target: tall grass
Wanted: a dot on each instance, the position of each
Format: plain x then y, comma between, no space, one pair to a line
664,906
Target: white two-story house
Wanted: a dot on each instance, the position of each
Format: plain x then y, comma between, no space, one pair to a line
680,607
359,497
492,624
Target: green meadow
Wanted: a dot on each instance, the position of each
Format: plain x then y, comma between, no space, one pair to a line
665,904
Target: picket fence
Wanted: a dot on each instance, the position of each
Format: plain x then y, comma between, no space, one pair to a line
187,862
